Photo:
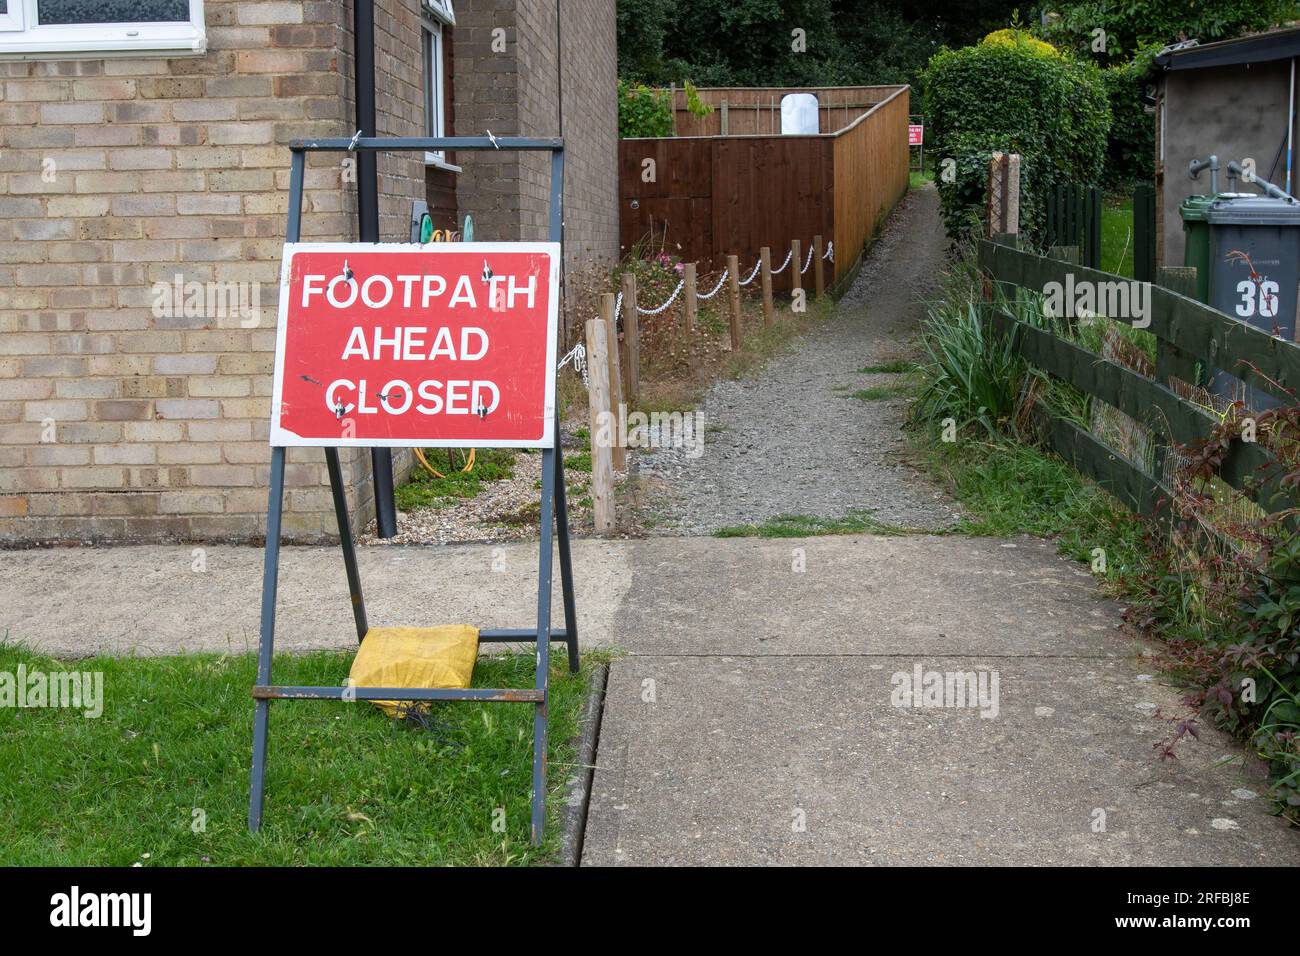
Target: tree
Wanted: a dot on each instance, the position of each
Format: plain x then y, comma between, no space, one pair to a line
1129,25
753,43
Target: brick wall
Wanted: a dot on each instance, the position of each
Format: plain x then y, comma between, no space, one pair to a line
517,92
590,61
486,98
115,174
125,417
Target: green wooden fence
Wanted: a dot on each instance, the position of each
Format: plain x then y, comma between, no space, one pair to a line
1074,221
1074,216
1188,334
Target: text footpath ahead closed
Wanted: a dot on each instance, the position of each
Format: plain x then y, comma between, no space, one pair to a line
440,345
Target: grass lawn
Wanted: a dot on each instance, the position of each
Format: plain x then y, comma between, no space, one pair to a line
1010,489
161,777
1117,235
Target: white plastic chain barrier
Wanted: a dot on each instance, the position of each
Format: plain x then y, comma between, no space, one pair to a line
671,299
578,356
716,289
618,302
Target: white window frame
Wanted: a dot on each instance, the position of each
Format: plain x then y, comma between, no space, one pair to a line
22,37
437,14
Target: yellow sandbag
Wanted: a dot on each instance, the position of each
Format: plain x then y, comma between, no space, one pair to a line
441,656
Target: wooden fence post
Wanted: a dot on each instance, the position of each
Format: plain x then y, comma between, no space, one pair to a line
691,302
613,375
765,269
733,280
1002,204
1171,360
631,342
796,263
819,276
602,465
1144,232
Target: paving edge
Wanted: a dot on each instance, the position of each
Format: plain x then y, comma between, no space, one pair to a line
577,795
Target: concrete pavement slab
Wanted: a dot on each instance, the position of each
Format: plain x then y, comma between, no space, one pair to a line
858,594
770,760
153,600
861,594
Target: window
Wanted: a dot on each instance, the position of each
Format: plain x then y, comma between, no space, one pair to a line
437,15
37,28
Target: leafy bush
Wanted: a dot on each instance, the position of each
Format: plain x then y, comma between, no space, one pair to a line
1014,93
1266,651
1130,151
643,111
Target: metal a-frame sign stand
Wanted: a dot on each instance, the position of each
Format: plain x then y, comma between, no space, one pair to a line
553,509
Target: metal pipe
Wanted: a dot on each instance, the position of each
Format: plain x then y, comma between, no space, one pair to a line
408,144
487,695
1195,166
363,65
1269,189
1290,124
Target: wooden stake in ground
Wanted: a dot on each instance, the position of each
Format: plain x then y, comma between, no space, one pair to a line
604,431
690,304
631,342
765,270
607,302
733,280
819,275
796,263
1002,205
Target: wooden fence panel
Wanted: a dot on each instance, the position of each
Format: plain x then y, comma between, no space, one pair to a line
1251,354
1144,400
768,192
756,111
871,173
677,205
1194,327
723,195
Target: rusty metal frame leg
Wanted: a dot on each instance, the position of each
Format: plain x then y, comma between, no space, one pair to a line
541,712
270,581
346,542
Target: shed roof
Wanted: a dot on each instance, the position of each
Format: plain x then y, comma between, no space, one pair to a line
1260,48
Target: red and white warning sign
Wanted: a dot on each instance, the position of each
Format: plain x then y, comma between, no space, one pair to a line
439,345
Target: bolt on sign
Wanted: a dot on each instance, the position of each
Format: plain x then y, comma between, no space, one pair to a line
438,345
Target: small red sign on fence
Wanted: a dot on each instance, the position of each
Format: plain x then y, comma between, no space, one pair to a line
915,134
439,345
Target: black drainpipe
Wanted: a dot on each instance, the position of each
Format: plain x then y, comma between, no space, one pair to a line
363,62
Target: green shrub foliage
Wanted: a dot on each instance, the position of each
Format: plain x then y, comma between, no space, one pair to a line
1015,94
1130,153
643,111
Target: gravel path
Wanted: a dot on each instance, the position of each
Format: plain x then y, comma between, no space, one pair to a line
790,439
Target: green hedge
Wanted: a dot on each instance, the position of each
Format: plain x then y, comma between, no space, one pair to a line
1015,94
1130,154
